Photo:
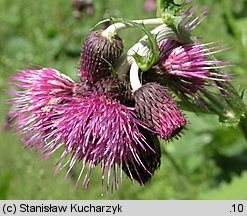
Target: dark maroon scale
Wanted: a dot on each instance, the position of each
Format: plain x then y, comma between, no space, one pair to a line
150,159
98,54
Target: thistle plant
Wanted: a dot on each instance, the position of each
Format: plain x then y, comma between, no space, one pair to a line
125,99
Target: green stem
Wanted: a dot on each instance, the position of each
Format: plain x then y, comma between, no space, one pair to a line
243,125
114,28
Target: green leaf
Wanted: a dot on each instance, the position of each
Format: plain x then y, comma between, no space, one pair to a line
146,62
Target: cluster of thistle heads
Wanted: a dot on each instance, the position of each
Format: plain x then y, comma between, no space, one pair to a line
102,120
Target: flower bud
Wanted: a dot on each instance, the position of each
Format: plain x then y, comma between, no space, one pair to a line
158,110
98,54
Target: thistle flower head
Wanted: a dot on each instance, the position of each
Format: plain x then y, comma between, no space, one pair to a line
86,120
97,130
158,110
189,68
98,53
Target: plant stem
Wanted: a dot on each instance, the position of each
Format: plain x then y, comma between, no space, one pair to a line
134,76
112,29
243,125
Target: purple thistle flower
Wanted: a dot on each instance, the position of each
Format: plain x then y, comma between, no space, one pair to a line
87,121
158,110
33,106
104,131
98,54
41,88
188,68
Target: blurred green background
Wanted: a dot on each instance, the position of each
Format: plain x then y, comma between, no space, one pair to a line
208,162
